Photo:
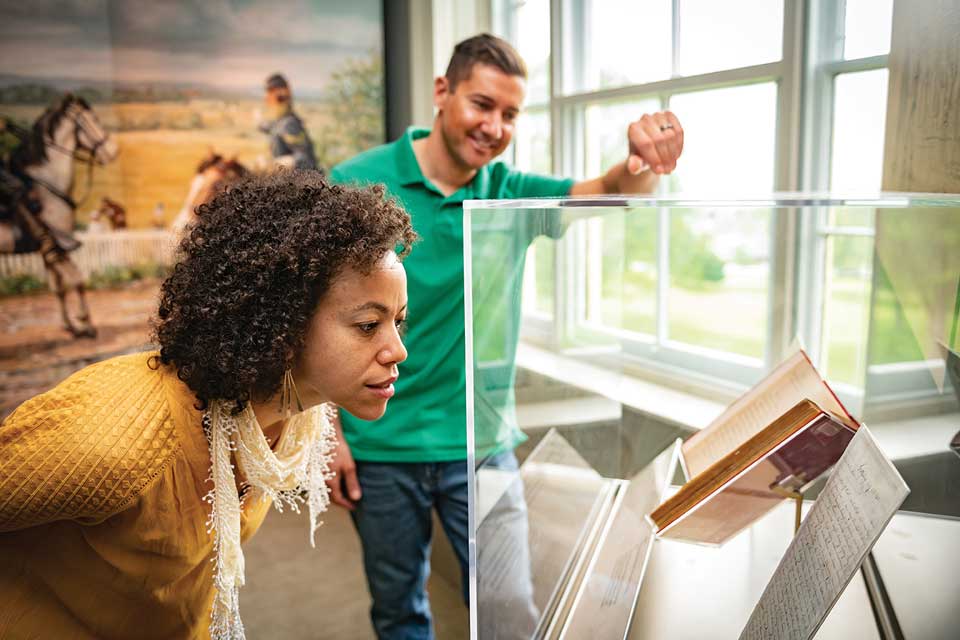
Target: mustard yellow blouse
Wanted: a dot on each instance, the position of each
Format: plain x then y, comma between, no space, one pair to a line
102,520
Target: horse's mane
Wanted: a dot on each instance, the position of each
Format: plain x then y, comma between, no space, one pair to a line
34,147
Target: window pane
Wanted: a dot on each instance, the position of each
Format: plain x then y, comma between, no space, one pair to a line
729,34
846,310
859,114
532,40
532,142
719,259
606,57
605,132
867,28
729,139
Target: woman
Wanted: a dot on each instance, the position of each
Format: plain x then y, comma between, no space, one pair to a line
126,490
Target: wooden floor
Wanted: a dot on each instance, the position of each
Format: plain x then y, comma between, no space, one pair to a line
296,592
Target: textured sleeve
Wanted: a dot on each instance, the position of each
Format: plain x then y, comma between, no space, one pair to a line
87,448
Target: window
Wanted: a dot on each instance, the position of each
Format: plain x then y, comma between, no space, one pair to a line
733,72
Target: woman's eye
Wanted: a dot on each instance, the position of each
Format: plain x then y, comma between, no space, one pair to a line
367,327
401,326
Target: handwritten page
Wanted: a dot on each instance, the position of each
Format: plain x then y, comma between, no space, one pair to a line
862,494
792,381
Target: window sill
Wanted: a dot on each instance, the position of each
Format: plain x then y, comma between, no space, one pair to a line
900,439
678,408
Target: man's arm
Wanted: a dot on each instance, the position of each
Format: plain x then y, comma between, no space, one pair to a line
344,486
655,141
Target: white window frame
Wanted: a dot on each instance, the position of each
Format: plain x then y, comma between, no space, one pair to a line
813,32
659,356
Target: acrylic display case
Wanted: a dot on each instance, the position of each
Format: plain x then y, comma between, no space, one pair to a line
602,330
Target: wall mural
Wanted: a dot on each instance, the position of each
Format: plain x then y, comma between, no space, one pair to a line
117,117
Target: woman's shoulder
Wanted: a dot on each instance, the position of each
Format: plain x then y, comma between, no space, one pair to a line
88,447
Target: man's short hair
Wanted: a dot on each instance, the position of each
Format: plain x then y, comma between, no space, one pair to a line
483,49
276,81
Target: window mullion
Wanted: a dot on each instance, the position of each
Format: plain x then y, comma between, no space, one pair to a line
675,40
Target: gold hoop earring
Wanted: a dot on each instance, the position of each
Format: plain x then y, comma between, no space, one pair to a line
289,394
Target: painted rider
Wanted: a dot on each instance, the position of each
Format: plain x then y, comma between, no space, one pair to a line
290,144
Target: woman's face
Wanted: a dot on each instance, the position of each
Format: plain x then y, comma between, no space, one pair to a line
353,344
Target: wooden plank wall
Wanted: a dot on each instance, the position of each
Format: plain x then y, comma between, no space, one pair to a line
922,145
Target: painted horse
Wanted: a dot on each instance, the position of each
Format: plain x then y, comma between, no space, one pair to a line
38,212
213,173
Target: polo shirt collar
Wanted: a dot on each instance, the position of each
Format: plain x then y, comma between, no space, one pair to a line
408,170
409,173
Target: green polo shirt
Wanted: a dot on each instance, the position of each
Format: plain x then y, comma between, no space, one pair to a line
426,420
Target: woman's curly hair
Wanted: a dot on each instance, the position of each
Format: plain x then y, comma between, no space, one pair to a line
235,310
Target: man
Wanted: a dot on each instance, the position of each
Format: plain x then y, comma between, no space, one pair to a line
290,144
391,474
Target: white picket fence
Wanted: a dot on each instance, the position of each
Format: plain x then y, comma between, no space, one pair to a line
122,248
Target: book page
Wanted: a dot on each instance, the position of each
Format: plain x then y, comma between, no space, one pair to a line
792,381
860,497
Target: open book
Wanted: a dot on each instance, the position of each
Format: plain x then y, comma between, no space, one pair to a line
772,442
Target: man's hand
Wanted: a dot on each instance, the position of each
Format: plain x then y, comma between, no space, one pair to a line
344,486
655,141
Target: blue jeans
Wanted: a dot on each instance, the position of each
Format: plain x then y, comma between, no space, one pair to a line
393,519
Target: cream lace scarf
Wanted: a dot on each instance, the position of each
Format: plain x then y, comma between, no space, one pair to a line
293,474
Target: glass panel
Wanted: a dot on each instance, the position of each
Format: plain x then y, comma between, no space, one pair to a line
730,34
532,40
532,142
719,276
606,59
621,273
538,282
867,27
846,308
595,412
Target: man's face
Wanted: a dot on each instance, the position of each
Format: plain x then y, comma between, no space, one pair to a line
477,119
278,97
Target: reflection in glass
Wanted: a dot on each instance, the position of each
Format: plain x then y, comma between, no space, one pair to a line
729,34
